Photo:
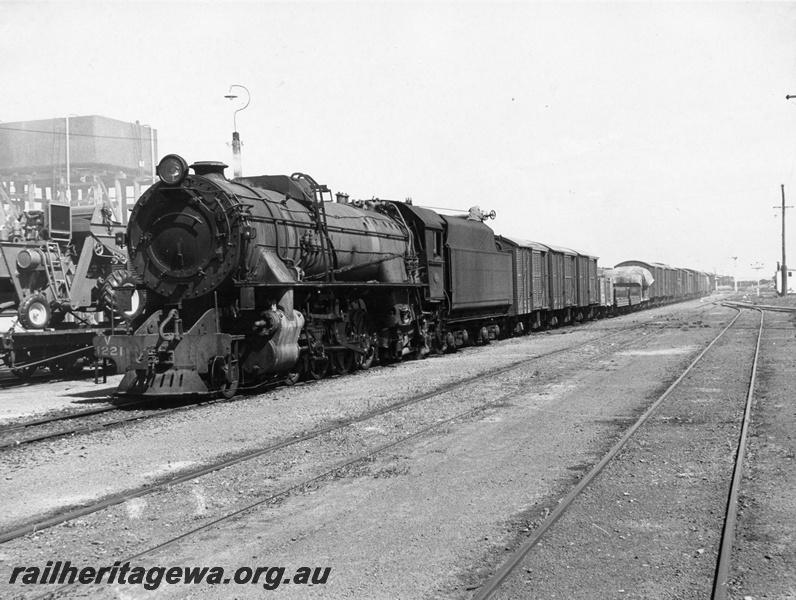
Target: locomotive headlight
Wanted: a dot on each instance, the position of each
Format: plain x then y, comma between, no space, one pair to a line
172,169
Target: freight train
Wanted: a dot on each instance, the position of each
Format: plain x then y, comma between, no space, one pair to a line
270,279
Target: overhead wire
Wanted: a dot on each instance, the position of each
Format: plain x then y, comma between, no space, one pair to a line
71,133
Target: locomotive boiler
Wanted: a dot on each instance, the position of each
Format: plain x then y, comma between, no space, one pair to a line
250,280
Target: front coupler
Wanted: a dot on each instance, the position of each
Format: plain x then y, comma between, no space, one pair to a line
159,359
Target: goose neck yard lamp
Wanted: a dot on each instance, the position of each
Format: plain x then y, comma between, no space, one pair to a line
236,162
757,267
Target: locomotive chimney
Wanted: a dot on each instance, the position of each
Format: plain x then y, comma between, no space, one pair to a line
342,198
209,167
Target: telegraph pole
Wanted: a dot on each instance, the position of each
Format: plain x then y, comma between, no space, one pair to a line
784,267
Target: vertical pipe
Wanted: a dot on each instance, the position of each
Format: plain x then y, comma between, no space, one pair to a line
121,198
236,162
68,179
152,154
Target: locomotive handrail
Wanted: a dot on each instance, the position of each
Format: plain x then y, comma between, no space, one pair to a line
349,268
329,228
333,284
226,217
326,242
408,234
179,214
318,211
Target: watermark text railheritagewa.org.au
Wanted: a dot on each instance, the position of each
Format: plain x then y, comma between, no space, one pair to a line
151,578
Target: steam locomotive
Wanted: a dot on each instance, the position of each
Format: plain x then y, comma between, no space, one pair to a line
263,279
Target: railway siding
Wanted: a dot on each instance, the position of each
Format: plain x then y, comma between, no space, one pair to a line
649,526
764,557
109,462
450,504
425,507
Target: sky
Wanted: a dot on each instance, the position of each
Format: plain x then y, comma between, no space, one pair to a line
654,131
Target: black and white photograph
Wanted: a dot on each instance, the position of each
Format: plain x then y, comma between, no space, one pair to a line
397,300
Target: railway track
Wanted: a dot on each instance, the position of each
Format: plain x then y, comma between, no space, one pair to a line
522,560
336,469
294,440
95,419
721,580
20,433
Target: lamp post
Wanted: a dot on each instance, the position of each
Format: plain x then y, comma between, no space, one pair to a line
734,273
757,267
236,163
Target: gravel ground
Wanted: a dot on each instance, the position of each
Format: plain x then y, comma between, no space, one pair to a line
25,400
650,525
530,428
115,460
764,557
428,517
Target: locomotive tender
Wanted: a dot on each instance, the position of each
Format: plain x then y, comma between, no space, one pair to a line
263,279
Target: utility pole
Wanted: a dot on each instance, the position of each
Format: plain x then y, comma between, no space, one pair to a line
784,268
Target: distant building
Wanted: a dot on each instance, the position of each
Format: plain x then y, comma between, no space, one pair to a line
778,281
81,160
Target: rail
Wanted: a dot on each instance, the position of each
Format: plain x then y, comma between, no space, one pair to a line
488,589
728,533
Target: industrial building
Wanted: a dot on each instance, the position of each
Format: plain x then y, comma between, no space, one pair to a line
77,160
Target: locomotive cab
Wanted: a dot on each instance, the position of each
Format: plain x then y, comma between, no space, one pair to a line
428,228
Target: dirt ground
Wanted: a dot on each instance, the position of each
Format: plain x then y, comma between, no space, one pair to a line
650,525
764,557
429,517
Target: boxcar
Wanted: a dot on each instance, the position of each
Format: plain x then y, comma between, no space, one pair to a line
562,271
588,297
699,283
605,286
530,267
663,289
631,286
